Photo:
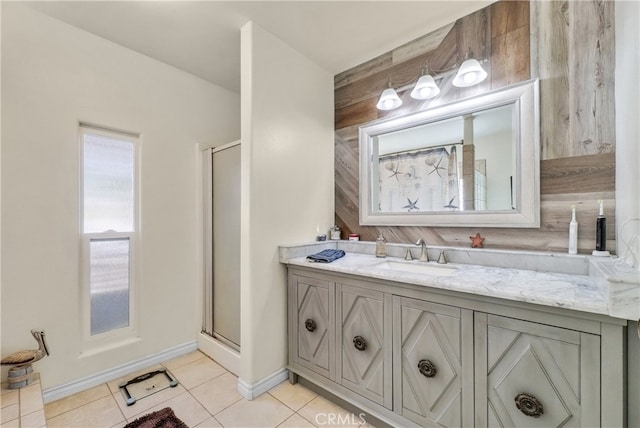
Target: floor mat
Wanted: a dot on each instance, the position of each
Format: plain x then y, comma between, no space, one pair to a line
146,384
164,418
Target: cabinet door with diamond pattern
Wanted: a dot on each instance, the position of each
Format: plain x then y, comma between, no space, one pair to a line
534,375
433,368
314,325
365,360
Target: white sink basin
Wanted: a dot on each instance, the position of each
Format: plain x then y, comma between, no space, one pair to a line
423,268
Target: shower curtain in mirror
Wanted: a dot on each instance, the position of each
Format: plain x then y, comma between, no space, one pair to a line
421,180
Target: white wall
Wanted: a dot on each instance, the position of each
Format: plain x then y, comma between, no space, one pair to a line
288,191
497,150
627,161
627,113
53,76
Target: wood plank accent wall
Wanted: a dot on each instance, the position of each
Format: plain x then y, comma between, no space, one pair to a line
569,46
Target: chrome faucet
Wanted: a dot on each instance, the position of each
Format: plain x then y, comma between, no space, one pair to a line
424,257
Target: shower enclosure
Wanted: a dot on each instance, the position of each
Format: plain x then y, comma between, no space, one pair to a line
221,303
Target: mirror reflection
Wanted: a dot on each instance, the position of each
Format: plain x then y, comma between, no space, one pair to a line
462,163
470,162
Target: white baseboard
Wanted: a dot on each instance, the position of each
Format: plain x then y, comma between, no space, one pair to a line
220,353
57,392
251,391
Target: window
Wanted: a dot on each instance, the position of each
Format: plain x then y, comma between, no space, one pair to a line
109,220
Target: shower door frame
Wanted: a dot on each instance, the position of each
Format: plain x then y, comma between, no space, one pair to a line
208,327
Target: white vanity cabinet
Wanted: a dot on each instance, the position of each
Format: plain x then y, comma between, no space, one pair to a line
418,356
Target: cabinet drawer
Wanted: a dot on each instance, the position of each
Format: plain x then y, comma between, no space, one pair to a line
365,363
535,375
312,324
433,366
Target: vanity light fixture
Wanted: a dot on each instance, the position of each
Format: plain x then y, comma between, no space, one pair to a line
389,99
470,73
426,87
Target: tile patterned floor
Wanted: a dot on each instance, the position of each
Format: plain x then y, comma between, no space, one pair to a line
22,407
206,397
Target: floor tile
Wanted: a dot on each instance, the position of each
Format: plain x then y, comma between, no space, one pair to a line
9,413
31,399
198,372
184,406
9,397
33,420
188,409
100,413
217,394
294,396
76,400
264,411
322,412
206,397
209,423
296,421
183,360
14,423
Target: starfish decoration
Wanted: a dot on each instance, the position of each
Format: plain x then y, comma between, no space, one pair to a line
477,241
395,172
436,168
412,205
450,204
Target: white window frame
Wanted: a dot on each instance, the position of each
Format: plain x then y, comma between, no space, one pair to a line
124,335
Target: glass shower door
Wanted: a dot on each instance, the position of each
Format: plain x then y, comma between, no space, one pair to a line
222,296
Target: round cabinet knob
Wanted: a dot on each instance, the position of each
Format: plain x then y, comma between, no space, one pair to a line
359,343
310,325
529,405
427,368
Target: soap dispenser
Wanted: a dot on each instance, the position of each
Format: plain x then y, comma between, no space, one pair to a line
381,246
334,233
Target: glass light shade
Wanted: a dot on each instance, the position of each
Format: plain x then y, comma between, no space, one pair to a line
389,100
469,74
425,88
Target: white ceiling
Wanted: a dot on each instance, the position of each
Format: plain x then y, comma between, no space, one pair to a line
203,37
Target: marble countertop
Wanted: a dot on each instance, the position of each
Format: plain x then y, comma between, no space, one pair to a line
577,292
579,284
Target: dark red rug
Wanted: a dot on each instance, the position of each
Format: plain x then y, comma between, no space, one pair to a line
164,418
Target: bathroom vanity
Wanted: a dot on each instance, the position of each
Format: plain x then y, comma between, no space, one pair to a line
491,339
